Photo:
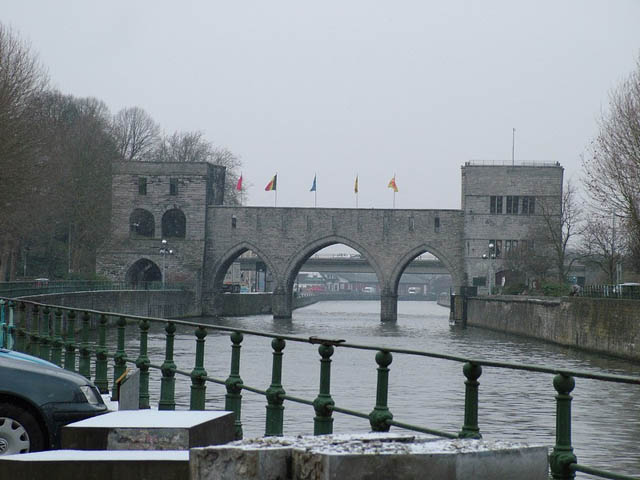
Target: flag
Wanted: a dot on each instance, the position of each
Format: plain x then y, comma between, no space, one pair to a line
392,184
239,185
272,184
313,187
355,186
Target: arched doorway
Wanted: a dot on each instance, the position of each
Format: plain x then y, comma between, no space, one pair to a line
142,273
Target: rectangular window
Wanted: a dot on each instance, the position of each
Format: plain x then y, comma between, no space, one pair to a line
512,204
495,248
528,205
142,185
495,204
173,186
498,248
507,246
436,224
479,281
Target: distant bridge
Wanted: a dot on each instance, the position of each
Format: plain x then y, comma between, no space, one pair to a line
338,264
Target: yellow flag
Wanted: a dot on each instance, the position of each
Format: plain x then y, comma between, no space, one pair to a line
355,186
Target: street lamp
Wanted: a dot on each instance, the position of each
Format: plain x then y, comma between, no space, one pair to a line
164,251
490,256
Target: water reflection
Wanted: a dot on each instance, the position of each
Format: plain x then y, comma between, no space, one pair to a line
430,392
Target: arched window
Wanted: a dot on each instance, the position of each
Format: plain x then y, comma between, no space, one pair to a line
141,223
174,224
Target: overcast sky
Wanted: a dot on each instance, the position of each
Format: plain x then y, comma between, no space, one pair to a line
340,88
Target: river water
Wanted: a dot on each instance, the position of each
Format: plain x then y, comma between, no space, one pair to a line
514,405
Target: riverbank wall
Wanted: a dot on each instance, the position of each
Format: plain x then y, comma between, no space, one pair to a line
609,326
148,303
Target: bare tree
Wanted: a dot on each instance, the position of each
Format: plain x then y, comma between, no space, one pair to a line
22,78
602,245
612,165
193,147
558,229
136,133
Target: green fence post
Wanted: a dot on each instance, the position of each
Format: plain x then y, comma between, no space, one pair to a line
142,362
70,342
101,380
323,422
56,351
33,346
168,382
470,429
45,346
562,455
3,325
120,358
84,363
233,398
275,407
12,328
198,387
21,340
380,415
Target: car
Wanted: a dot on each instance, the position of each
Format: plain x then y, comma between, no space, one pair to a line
37,398
413,290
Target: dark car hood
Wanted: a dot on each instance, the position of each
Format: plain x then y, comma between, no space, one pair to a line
42,383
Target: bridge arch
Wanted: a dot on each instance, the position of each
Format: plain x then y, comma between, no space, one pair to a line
297,260
222,265
408,257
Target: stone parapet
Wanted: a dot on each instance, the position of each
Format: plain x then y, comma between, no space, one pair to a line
366,456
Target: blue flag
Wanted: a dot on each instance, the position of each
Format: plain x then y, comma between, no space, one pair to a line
313,187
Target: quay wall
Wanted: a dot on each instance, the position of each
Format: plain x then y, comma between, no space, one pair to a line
610,326
150,303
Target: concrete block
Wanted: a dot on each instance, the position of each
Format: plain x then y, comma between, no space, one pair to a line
92,465
369,456
129,392
150,430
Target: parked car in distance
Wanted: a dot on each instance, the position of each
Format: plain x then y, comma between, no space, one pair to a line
413,290
37,398
368,290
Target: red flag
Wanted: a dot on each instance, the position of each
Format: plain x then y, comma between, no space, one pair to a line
239,185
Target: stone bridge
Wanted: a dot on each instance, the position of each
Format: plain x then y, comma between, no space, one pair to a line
169,221
284,238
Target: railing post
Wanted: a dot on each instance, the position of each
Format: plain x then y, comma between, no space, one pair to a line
198,387
84,363
119,359
470,429
21,340
4,331
45,346
33,347
70,342
562,455
12,329
233,398
142,362
380,415
101,380
56,351
323,422
168,382
275,407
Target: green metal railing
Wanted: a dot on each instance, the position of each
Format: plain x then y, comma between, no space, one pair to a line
47,331
30,288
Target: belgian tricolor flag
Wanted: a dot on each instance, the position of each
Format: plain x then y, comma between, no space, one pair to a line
272,184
